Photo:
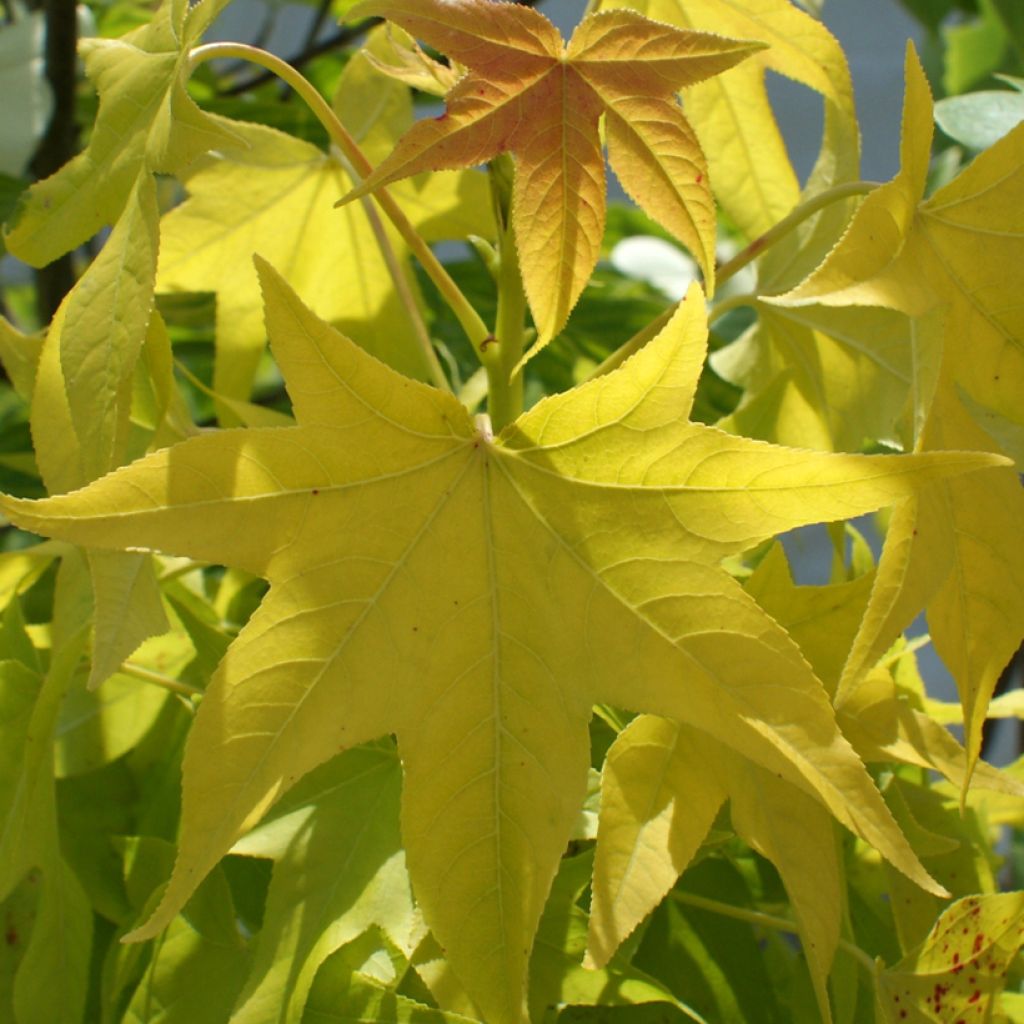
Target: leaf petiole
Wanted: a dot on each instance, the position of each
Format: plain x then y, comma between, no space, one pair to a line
504,374
727,270
403,288
467,316
146,675
756,917
792,220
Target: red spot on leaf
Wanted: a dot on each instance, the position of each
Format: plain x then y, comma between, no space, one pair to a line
975,996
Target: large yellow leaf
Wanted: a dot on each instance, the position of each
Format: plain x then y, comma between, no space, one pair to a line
957,547
476,596
959,249
146,123
661,788
275,197
751,172
530,94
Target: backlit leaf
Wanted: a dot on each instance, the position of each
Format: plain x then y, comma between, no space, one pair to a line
960,968
955,548
582,568
663,785
958,248
275,196
146,123
339,869
532,95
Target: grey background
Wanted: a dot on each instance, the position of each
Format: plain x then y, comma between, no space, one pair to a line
872,32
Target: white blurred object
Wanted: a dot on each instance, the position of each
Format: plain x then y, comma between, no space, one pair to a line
659,263
22,122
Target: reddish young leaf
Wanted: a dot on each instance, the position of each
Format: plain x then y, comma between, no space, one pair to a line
530,94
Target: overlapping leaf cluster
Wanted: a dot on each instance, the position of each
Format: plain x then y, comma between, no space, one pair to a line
527,724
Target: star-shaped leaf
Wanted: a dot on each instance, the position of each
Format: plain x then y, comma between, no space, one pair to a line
475,596
957,548
959,248
530,94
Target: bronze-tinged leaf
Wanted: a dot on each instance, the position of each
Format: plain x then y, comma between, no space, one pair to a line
529,94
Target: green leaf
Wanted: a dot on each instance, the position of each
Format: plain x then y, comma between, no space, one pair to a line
494,754
97,726
129,609
980,119
19,356
197,964
714,963
146,123
51,981
339,869
102,331
974,49
557,976
341,995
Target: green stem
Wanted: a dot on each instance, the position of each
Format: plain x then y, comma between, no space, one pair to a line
756,917
404,291
467,316
501,356
129,668
793,219
637,342
728,305
733,266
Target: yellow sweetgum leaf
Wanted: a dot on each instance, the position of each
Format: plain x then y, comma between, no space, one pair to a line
958,972
274,196
661,789
751,172
475,596
951,260
960,249
532,95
